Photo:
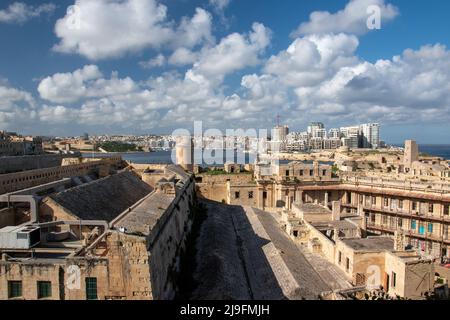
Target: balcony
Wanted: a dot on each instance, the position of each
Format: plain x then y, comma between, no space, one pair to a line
411,233
443,188
400,213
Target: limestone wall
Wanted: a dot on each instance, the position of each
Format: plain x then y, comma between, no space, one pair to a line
29,274
214,187
420,279
166,241
245,195
214,192
22,163
328,246
27,179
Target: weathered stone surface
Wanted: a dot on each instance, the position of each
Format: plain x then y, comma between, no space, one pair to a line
103,199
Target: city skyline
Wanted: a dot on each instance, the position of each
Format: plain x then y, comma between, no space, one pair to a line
227,63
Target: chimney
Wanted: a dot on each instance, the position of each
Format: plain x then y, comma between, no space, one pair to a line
316,169
399,244
336,210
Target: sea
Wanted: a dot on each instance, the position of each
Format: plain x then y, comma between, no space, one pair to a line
165,157
438,150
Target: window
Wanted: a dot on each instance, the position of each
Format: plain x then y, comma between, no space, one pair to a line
394,279
413,225
386,202
311,172
430,208
374,200
446,210
301,172
400,204
250,194
430,228
287,173
384,219
14,289
91,288
264,194
400,222
414,206
373,218
324,173
347,264
44,289
237,194
340,257
392,222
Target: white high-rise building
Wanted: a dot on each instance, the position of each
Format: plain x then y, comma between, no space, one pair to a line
279,138
370,135
315,126
334,133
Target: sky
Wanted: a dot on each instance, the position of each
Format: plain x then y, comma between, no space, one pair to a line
153,66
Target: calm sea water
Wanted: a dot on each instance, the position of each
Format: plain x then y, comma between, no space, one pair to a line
166,156
436,150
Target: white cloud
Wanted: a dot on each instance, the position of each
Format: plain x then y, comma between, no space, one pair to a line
194,31
19,12
87,82
352,19
405,89
330,81
183,56
156,62
104,28
220,4
312,59
232,53
17,107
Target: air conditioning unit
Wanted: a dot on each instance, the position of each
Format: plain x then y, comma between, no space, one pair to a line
19,237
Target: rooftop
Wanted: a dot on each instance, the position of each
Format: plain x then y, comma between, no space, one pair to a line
341,225
370,244
311,208
103,199
145,215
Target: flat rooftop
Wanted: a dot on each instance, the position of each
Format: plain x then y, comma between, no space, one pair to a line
341,225
312,208
370,244
143,218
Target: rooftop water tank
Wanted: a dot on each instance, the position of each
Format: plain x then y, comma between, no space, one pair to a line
19,237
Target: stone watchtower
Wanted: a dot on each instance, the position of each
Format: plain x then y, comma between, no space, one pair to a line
185,153
411,153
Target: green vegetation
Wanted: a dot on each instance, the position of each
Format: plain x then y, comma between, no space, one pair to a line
114,146
334,171
218,172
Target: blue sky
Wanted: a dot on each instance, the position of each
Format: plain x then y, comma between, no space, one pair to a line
56,80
